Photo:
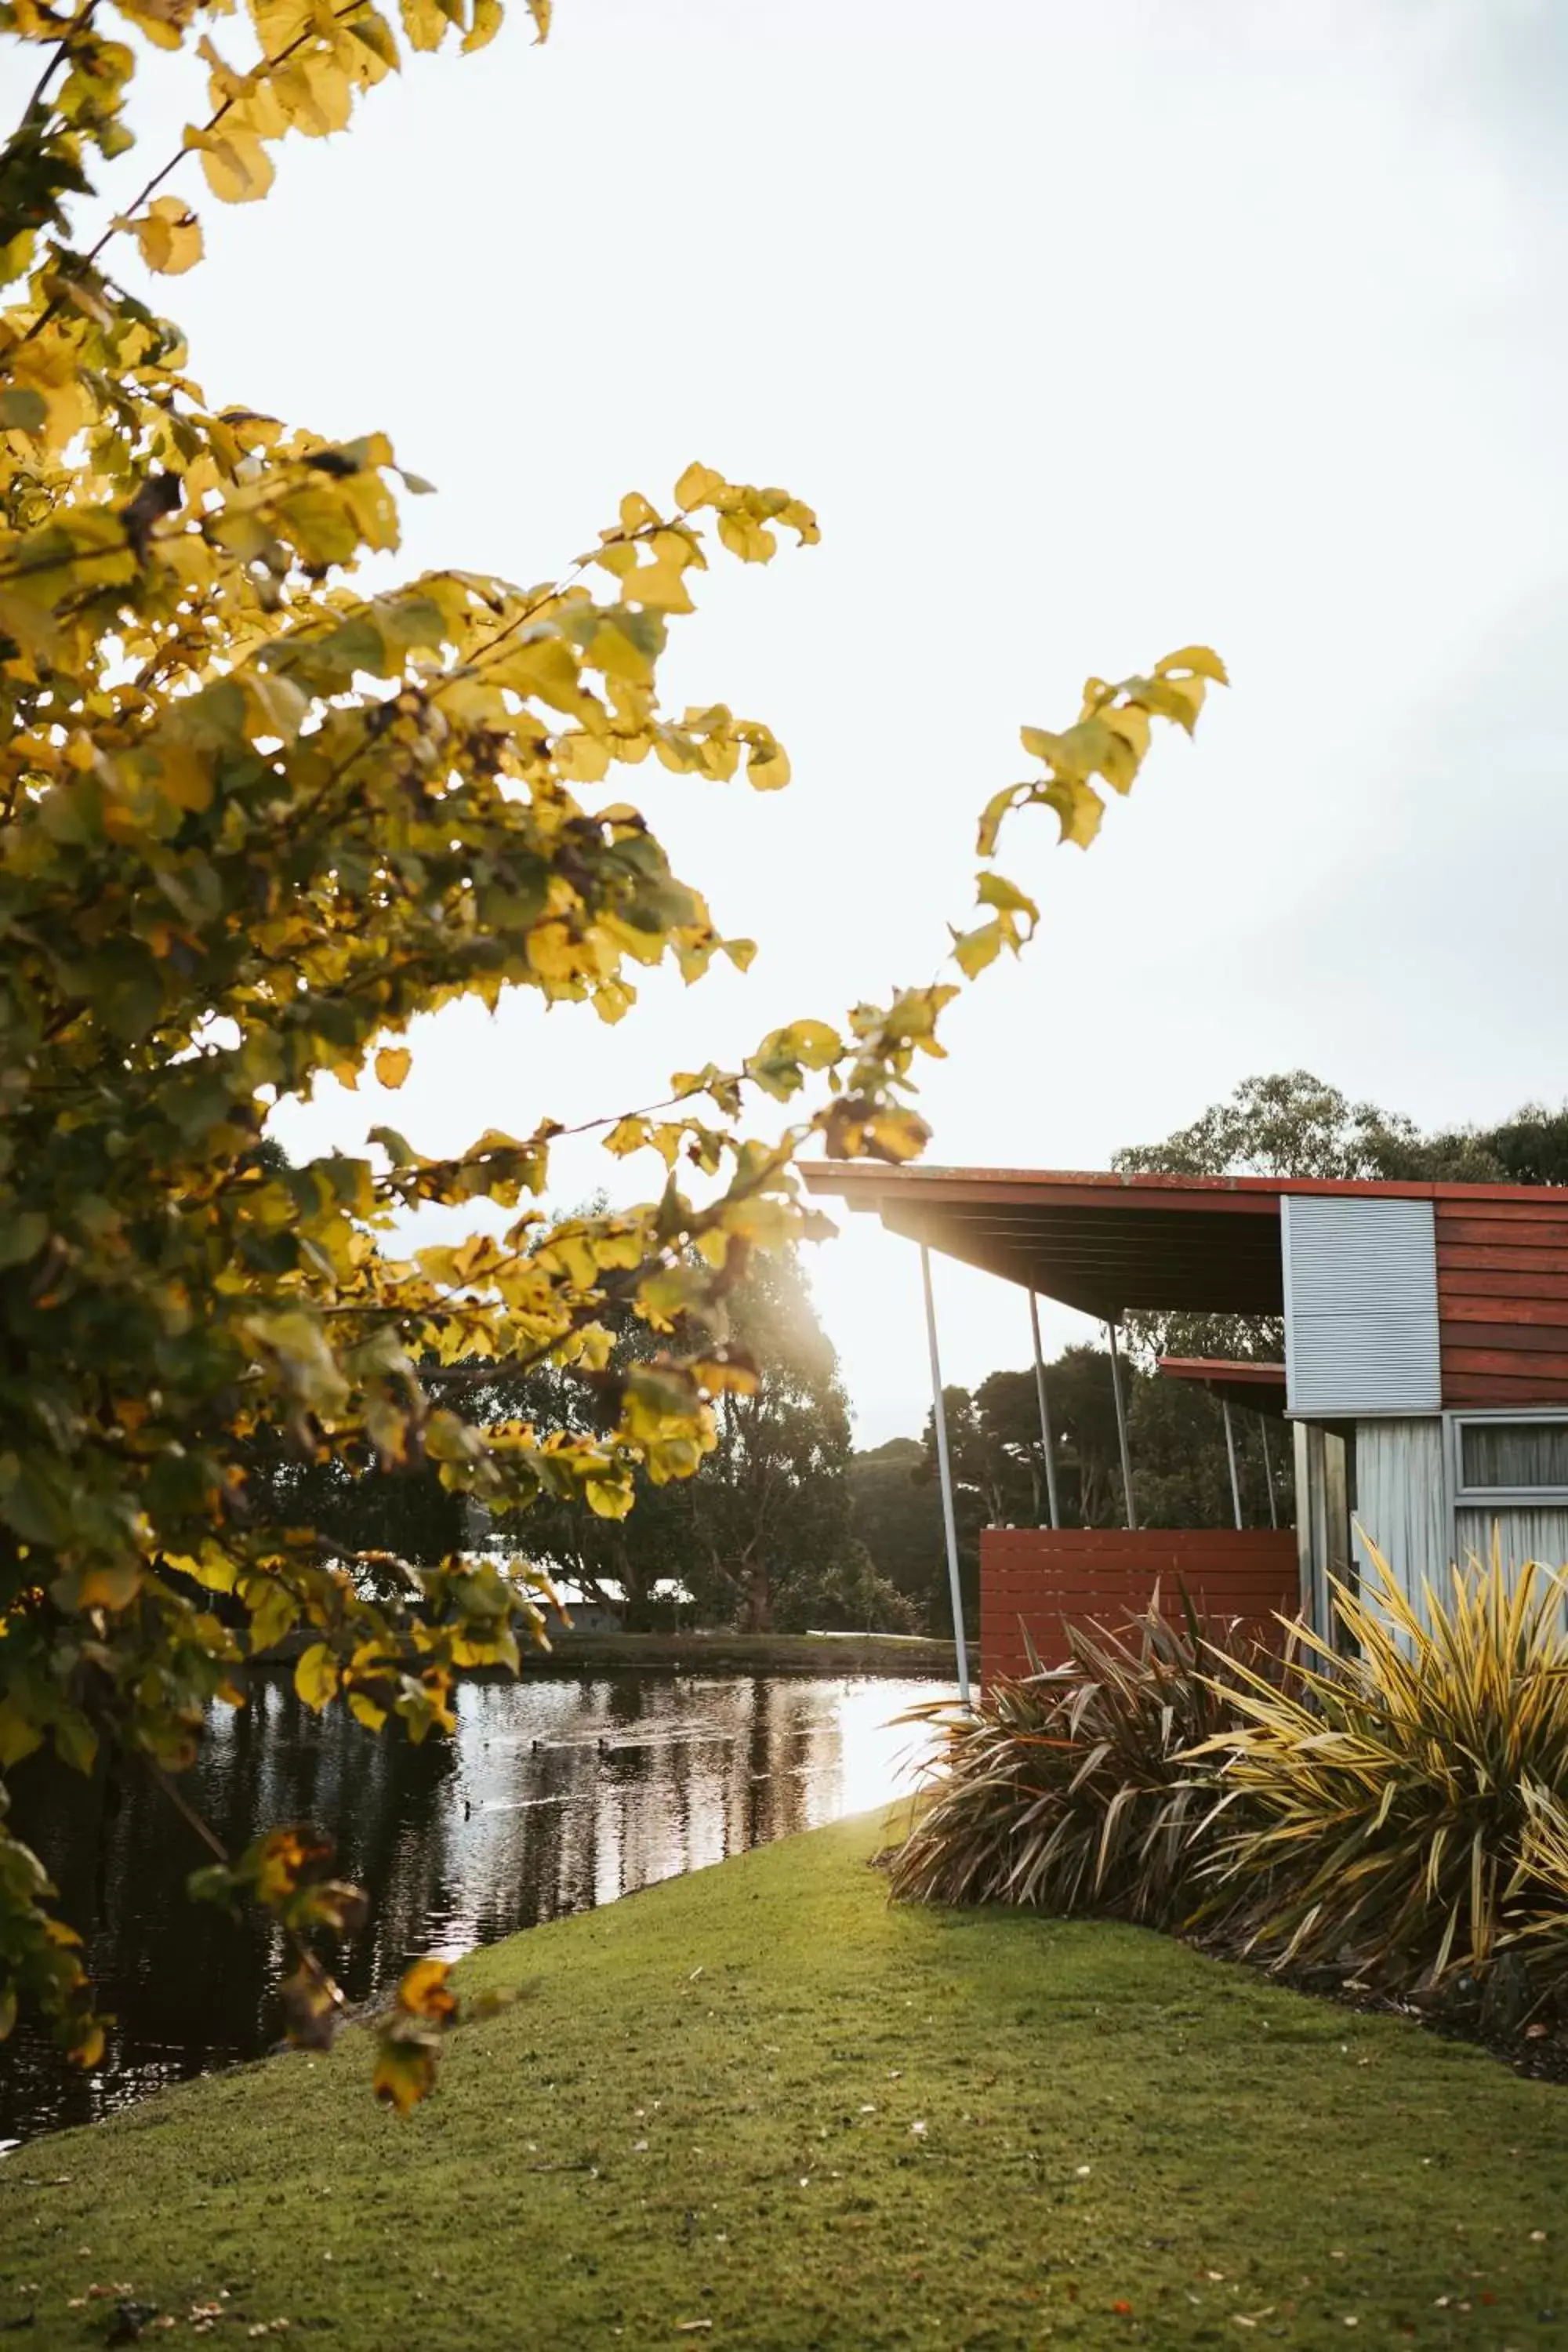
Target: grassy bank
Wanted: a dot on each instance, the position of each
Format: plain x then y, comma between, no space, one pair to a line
749,1653
760,2100
571,1652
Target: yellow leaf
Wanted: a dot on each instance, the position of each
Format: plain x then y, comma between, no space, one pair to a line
697,486
582,759
1132,724
488,18
813,1043
595,1346
393,1064
745,536
386,1427
162,21
424,22
316,1675
273,1609
1078,805
424,1990
767,770
1187,694
607,1499
300,1355
897,1135
208,1567
237,167
87,2051
972,950
169,235
659,587
104,1586
1202,660
18,1735
1042,743
184,776
999,805
996,890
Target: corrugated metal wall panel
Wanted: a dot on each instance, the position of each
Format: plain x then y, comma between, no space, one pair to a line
1361,1308
1401,1503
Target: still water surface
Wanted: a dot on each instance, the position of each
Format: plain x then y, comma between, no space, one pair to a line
557,1794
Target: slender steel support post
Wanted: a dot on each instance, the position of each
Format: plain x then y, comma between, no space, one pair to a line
1045,1414
1268,1473
944,1473
1121,1426
1230,1451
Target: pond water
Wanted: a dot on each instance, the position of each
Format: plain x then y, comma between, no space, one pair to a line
557,1794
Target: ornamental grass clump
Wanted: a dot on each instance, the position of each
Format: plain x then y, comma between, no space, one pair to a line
1396,1808
1538,1922
1075,1790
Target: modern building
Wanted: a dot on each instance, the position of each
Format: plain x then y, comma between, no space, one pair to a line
1425,1379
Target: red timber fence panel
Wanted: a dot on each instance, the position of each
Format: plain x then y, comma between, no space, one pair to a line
1502,1300
1039,1578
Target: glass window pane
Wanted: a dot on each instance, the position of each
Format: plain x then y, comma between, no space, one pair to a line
1514,1454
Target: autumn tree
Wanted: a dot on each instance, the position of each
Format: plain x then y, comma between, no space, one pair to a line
255,815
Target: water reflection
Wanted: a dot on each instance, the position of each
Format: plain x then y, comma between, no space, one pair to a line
557,1794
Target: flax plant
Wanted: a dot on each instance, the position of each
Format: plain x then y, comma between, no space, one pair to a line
1074,1789
1386,1802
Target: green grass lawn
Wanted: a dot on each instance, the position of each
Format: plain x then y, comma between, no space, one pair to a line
757,2107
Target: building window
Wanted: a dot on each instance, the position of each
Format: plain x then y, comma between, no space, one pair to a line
1496,1455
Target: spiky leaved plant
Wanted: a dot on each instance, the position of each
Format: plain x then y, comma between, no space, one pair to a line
1074,1789
1385,1799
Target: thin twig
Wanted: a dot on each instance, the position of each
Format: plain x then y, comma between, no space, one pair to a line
78,24
268,66
187,1813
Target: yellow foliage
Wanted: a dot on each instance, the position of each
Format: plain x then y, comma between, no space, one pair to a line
257,821
316,1675
169,235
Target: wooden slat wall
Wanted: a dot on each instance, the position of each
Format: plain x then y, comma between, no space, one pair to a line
1038,1577
1502,1300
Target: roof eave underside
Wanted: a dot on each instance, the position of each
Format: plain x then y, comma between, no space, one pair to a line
1104,1252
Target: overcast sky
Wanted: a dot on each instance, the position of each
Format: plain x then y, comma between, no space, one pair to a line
1089,330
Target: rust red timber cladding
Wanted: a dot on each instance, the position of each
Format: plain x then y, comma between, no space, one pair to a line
1454,1259
1502,1300
1039,1578
1465,1291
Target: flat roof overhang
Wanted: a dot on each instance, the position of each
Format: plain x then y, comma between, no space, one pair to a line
1238,1379
1101,1244
1105,1243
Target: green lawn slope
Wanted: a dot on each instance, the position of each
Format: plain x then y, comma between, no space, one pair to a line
758,2107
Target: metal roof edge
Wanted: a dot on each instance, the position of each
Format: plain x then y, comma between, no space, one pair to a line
845,1176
